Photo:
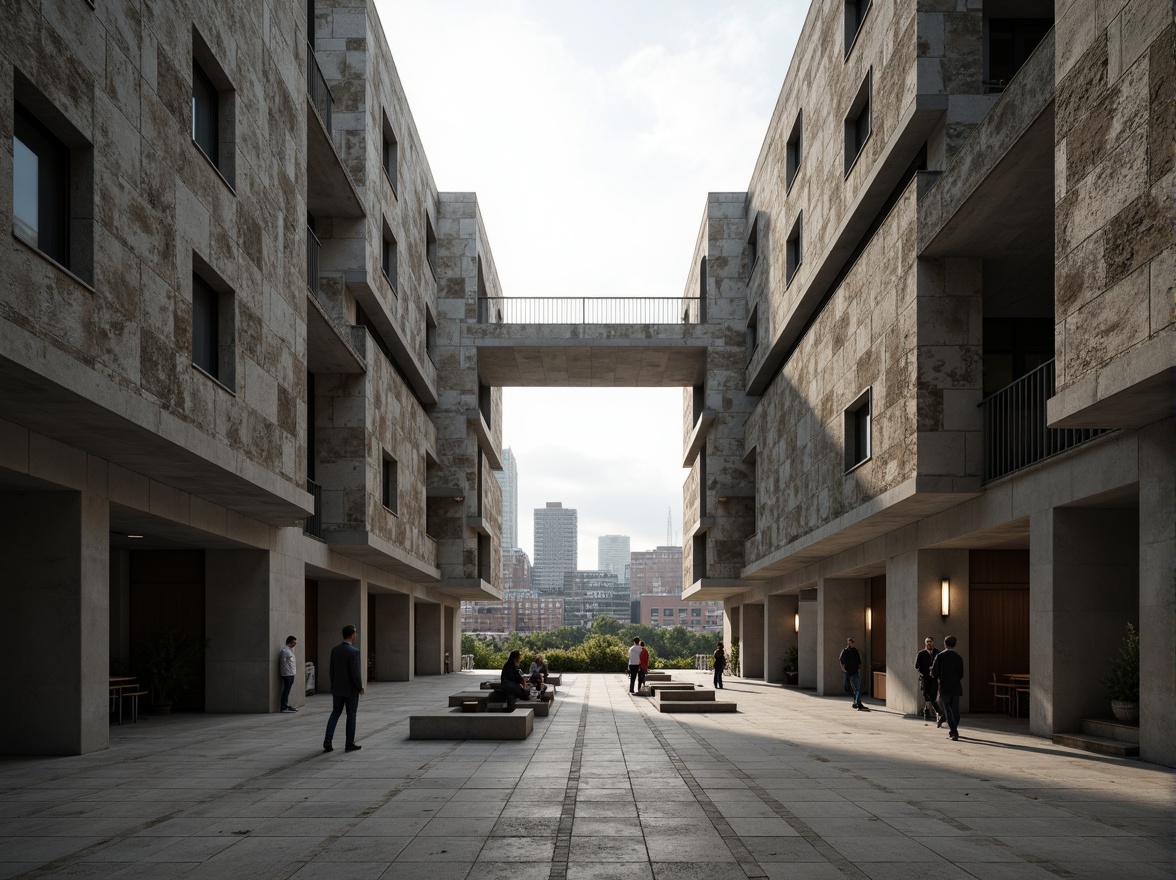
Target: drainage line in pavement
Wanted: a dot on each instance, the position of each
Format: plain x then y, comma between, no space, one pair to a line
567,816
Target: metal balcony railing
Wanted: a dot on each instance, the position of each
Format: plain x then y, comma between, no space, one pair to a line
313,246
1015,432
316,86
589,310
313,525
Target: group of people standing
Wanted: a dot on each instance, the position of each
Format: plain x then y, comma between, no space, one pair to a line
638,665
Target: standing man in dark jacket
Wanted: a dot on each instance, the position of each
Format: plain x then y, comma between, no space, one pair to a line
948,670
346,688
851,664
928,686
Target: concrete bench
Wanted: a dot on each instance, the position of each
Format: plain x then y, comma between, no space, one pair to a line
658,676
479,697
694,706
684,695
456,724
492,684
658,686
541,708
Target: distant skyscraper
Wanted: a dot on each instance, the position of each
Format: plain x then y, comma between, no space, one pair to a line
556,537
508,478
612,554
588,595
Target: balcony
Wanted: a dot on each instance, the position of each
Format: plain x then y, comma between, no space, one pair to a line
589,310
316,87
313,525
1015,431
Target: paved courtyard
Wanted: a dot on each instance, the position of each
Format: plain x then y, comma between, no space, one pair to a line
792,786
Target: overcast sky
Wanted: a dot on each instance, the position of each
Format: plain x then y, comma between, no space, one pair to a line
592,132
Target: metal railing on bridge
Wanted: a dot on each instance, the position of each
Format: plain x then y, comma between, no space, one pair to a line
590,310
1015,432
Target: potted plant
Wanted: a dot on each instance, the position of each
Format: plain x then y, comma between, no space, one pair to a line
792,665
1122,681
167,662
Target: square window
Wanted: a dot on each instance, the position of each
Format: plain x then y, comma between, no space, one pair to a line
696,612
388,487
681,612
855,14
668,612
213,326
653,612
857,431
858,124
795,151
213,122
794,250
389,258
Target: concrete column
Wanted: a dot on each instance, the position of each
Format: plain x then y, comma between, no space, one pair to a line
1157,593
428,650
841,614
452,631
1080,603
806,639
779,634
913,605
253,599
55,628
340,603
751,645
393,628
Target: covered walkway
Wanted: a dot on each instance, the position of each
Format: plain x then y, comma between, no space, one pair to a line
793,785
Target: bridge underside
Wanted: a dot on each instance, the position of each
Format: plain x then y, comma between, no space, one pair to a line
576,356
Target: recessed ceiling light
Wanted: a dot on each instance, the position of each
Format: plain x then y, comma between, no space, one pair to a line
134,536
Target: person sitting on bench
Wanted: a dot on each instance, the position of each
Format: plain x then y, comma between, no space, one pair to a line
538,674
512,683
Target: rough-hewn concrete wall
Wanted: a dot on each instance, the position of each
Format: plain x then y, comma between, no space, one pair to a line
1115,177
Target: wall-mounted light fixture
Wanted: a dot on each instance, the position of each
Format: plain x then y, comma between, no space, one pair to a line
869,619
796,622
945,597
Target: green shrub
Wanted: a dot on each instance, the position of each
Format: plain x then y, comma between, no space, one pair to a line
1122,681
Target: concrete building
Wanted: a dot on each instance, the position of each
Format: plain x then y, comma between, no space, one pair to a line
508,482
521,611
556,546
588,595
612,554
673,610
953,270
656,572
232,398
516,571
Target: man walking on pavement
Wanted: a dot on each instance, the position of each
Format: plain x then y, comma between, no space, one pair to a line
346,688
948,670
928,686
287,668
851,664
634,664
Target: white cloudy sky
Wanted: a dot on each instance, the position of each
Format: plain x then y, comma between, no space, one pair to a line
591,132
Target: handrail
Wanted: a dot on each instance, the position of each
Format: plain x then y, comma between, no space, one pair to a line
313,246
588,310
313,525
1015,431
319,91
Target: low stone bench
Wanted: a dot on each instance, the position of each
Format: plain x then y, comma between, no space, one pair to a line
684,695
493,686
541,708
479,697
456,724
658,676
694,706
659,686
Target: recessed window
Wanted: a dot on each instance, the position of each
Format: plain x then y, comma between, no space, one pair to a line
389,258
752,332
390,155
654,612
52,183
794,250
753,246
795,151
430,334
388,487
699,557
857,124
857,431
855,14
1010,42
430,246
213,124
213,327
486,403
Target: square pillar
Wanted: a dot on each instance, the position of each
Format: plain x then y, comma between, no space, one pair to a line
452,630
1084,588
841,614
340,603
779,634
751,643
914,611
55,593
428,654
1157,593
394,633
806,639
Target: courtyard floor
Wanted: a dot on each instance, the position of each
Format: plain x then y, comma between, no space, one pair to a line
792,786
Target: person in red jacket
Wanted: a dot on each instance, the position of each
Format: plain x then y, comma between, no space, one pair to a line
644,665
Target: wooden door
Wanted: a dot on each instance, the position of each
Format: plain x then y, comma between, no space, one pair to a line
998,638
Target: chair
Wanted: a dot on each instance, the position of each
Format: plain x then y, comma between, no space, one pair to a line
1002,691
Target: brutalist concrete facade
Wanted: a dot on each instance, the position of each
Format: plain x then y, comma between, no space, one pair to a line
881,265
319,465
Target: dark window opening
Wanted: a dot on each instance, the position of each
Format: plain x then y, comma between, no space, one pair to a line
858,124
752,332
389,490
698,559
213,125
389,259
855,14
857,432
430,334
431,246
1010,43
390,155
1015,347
205,327
486,403
40,188
753,246
205,114
795,253
698,403
795,151
702,484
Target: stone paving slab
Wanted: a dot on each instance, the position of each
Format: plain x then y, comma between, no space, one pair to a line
794,786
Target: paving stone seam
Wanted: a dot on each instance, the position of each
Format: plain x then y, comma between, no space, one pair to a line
563,836
738,849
